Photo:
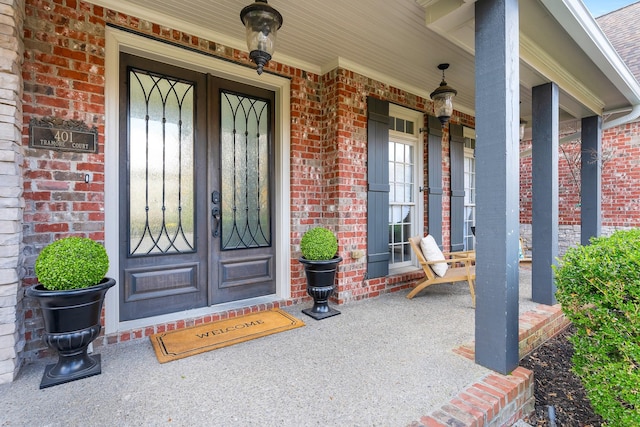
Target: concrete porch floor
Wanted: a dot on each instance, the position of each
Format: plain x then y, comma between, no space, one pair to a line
387,361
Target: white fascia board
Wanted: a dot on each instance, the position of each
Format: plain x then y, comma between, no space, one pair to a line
538,60
578,22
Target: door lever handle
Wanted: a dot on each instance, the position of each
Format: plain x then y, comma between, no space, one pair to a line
215,227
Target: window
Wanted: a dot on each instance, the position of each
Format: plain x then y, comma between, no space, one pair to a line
469,192
405,172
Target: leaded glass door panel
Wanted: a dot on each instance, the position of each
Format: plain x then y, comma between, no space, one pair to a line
242,194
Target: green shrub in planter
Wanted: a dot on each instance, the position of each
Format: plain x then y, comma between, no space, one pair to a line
71,263
318,244
599,289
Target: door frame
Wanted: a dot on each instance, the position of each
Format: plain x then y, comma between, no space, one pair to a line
117,41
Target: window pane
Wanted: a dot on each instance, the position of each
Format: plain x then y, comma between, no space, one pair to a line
408,154
399,155
396,214
408,173
401,210
469,200
399,175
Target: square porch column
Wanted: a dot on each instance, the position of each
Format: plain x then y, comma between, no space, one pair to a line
544,189
590,179
497,85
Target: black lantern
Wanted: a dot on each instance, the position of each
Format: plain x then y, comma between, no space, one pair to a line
443,98
523,124
262,23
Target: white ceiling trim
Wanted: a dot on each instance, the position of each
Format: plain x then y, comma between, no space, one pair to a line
201,32
534,56
207,34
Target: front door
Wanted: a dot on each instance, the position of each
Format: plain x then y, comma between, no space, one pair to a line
195,190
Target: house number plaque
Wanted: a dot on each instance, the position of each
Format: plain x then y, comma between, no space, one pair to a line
63,135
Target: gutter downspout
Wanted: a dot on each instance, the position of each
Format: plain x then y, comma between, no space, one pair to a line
633,115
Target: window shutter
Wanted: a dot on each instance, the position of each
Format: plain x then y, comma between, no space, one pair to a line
435,178
378,188
456,150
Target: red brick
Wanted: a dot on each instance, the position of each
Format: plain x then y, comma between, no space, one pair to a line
469,415
69,53
490,399
502,384
51,227
477,402
74,75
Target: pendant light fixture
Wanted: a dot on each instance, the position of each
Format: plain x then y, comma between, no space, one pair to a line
262,23
443,98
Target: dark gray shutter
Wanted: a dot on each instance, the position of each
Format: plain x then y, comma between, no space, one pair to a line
434,153
378,188
456,151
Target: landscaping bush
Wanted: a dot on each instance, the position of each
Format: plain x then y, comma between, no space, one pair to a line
71,263
599,289
318,244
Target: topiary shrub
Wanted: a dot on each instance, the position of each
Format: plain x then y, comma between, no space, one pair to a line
599,289
318,244
71,263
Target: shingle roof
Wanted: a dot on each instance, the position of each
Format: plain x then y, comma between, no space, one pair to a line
622,28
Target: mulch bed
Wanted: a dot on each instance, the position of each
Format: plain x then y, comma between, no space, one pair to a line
557,387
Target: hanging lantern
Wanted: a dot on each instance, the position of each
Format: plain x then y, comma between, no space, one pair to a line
523,125
262,23
443,98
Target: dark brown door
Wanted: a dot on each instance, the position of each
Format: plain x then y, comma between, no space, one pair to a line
242,244
179,204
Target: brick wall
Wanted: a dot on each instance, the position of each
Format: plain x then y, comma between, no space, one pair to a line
621,176
63,74
11,201
64,77
620,181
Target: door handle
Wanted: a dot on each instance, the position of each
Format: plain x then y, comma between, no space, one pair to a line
215,227
215,213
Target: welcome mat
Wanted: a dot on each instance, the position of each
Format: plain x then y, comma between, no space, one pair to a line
186,342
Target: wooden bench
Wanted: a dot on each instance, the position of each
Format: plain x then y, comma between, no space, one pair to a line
461,269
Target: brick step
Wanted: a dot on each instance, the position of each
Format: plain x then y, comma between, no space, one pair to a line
500,400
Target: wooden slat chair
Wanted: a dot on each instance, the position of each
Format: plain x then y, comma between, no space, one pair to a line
525,251
461,269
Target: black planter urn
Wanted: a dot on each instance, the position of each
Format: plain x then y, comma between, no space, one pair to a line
71,323
321,283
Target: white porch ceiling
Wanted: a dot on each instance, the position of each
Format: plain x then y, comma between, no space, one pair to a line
390,41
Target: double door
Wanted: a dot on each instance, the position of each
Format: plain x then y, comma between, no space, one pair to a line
196,190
